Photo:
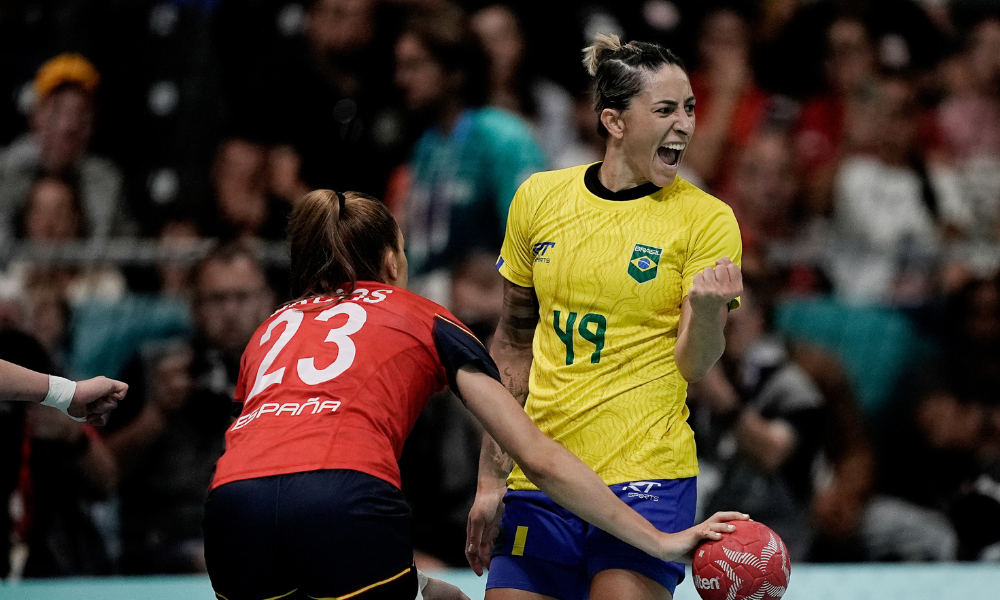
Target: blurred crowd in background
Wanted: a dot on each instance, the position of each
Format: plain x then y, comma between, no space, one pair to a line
152,150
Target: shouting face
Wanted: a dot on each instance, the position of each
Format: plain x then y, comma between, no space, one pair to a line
655,129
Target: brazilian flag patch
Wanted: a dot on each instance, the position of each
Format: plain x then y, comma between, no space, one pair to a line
645,259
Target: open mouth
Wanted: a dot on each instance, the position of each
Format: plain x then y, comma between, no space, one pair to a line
670,154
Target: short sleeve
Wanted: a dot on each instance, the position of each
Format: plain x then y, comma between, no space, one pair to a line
457,347
516,259
715,236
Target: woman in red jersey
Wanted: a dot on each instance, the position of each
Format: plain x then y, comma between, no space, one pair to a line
306,500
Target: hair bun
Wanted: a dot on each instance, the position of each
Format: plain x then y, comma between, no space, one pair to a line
604,44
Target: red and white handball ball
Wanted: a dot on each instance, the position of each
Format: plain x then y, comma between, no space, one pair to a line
750,563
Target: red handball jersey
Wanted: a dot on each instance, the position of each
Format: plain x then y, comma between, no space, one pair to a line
339,385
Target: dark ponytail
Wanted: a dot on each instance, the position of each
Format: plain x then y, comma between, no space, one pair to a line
336,240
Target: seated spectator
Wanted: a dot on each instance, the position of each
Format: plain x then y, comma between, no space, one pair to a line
936,441
57,145
168,437
243,206
850,63
336,85
52,213
769,417
970,123
845,480
891,203
765,193
53,470
589,145
178,234
514,87
731,107
468,163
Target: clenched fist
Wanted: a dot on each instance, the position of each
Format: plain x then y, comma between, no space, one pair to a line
716,286
96,398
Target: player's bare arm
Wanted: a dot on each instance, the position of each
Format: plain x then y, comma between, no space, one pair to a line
511,350
90,400
700,337
572,484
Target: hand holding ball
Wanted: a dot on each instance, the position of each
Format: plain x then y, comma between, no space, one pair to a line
750,563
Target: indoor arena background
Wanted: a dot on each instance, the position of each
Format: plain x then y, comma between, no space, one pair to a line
857,142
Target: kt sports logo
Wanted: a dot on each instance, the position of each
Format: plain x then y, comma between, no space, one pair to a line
645,259
642,489
540,249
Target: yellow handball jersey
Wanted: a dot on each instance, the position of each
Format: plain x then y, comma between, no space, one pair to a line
610,277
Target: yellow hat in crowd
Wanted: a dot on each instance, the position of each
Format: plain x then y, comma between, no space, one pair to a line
66,69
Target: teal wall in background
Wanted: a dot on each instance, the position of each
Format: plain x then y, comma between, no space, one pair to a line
809,582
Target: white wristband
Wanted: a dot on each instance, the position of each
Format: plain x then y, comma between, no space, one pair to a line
60,396
421,584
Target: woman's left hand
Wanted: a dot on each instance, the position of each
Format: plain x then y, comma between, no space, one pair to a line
716,286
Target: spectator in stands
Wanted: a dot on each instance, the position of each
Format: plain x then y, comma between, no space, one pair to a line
284,180
53,470
769,422
468,163
178,233
170,434
765,193
514,87
48,314
332,101
731,107
850,63
244,208
589,145
970,123
53,213
57,145
892,202
935,441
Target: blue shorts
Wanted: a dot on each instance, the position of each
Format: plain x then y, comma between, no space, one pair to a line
546,549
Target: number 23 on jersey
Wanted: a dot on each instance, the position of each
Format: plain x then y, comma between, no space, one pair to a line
306,368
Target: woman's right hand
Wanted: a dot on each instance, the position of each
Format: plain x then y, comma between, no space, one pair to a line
679,546
484,525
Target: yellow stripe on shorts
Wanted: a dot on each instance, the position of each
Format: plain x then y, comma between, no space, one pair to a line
368,587
519,539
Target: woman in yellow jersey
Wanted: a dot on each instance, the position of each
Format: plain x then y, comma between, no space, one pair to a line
619,277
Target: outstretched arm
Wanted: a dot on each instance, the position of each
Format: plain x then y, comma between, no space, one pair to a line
564,477
90,400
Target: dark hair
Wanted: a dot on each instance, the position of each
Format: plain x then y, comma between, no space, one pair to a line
447,35
69,182
337,239
225,253
620,70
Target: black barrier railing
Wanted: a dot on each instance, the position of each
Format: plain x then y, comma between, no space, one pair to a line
131,252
